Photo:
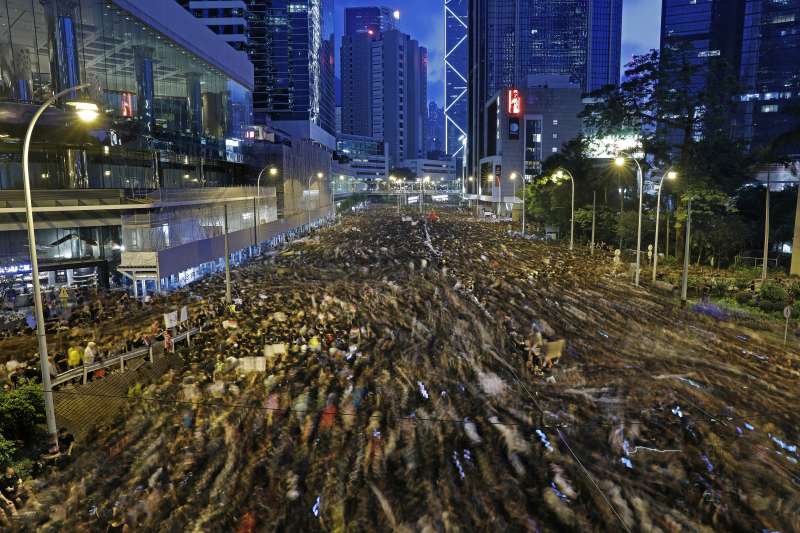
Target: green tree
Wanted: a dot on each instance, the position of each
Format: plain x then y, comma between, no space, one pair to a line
679,125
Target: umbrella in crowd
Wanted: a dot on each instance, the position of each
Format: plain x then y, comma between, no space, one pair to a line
441,374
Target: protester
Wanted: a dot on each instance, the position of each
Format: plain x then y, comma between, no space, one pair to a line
387,376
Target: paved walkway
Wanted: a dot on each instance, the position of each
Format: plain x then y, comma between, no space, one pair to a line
82,407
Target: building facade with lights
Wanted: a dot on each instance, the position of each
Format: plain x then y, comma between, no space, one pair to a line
148,183
456,72
512,40
291,46
369,19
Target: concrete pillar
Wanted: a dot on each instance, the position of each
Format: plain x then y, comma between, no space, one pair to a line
77,169
135,286
22,75
195,101
795,270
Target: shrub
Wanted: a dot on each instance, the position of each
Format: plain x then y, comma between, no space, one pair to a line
742,284
794,290
719,287
7,451
773,297
744,298
21,409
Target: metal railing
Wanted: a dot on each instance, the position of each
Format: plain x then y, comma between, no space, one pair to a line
119,360
754,261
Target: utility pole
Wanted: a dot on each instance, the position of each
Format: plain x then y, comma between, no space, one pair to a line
687,251
594,219
766,233
228,298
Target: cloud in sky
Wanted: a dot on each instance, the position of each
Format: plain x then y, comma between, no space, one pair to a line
641,27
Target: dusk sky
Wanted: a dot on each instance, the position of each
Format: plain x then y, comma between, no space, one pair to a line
424,21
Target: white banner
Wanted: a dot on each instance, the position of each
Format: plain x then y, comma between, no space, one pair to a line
184,314
170,319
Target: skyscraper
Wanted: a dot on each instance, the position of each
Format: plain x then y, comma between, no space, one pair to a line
703,32
512,40
366,19
455,74
605,44
290,43
355,57
770,73
384,91
291,46
434,132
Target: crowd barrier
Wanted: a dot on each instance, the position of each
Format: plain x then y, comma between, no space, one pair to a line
120,360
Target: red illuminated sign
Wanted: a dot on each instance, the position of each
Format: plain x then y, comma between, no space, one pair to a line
514,103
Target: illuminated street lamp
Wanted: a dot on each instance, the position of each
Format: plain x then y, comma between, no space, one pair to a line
560,173
87,112
620,162
670,175
272,172
424,180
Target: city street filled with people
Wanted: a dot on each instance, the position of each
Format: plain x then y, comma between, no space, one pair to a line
432,372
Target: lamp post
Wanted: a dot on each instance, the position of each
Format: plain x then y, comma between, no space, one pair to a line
513,178
469,202
524,186
228,291
560,173
594,220
670,175
766,232
687,250
272,172
424,180
463,166
87,112
620,162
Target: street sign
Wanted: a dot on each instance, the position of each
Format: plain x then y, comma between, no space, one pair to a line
787,312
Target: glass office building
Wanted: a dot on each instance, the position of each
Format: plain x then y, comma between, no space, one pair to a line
511,41
456,72
770,73
366,19
165,108
703,32
174,100
605,45
291,45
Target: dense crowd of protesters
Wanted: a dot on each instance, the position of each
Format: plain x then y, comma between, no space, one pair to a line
388,375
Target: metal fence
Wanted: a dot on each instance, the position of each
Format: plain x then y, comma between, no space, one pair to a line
119,360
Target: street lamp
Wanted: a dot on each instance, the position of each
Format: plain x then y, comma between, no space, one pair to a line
670,175
560,173
620,162
272,172
87,112
524,186
686,252
513,178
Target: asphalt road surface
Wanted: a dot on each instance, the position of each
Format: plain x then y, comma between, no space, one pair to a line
405,402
